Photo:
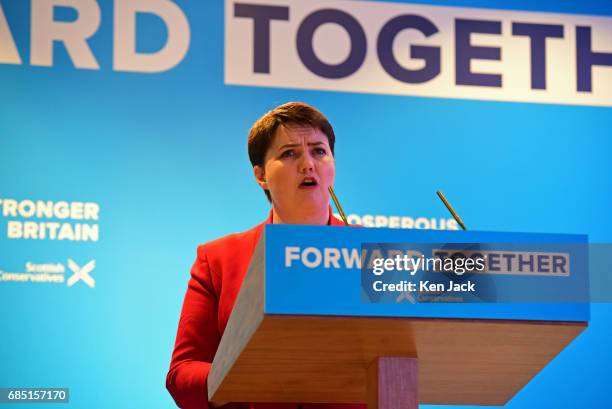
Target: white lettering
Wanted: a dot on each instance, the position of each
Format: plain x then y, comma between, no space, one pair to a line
48,209
353,219
73,34
91,211
381,221
125,57
9,208
55,231
377,286
378,266
45,268
317,257
76,210
8,50
407,223
53,228
44,209
291,253
30,230
352,258
90,232
394,222
421,223
331,257
66,232
61,210
26,208
14,230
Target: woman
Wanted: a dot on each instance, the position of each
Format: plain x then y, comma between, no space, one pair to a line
291,149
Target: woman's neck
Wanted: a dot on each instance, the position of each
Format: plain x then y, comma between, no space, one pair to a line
320,216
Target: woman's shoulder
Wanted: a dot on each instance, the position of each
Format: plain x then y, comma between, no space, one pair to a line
232,243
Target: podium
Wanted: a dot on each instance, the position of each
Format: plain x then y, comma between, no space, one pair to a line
302,330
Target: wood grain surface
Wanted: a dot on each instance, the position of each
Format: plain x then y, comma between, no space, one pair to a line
325,359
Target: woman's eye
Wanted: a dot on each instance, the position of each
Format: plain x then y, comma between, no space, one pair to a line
288,154
320,151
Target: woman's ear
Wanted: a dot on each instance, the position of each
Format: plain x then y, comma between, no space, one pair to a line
260,176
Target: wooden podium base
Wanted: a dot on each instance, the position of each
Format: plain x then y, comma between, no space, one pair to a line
392,383
486,363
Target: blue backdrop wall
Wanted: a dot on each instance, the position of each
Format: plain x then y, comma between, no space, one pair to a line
163,157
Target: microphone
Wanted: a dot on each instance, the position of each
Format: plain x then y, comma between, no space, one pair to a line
451,210
337,203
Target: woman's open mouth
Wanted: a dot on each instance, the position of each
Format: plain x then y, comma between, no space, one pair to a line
309,183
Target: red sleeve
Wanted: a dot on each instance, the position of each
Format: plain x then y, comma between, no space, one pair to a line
197,339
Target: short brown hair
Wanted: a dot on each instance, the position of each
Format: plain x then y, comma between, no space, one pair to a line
263,130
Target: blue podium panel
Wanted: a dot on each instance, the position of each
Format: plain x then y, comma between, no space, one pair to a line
316,270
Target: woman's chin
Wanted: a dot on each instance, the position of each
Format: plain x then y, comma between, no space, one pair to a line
311,203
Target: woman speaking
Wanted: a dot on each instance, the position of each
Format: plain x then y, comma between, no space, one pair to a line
291,149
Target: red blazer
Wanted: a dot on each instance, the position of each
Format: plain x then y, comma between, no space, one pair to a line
216,277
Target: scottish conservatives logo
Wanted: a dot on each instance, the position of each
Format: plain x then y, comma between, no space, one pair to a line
53,273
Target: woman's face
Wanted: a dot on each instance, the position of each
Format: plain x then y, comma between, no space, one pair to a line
297,170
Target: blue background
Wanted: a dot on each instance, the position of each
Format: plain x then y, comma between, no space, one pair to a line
165,157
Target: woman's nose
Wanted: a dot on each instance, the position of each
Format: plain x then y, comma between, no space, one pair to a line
307,164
